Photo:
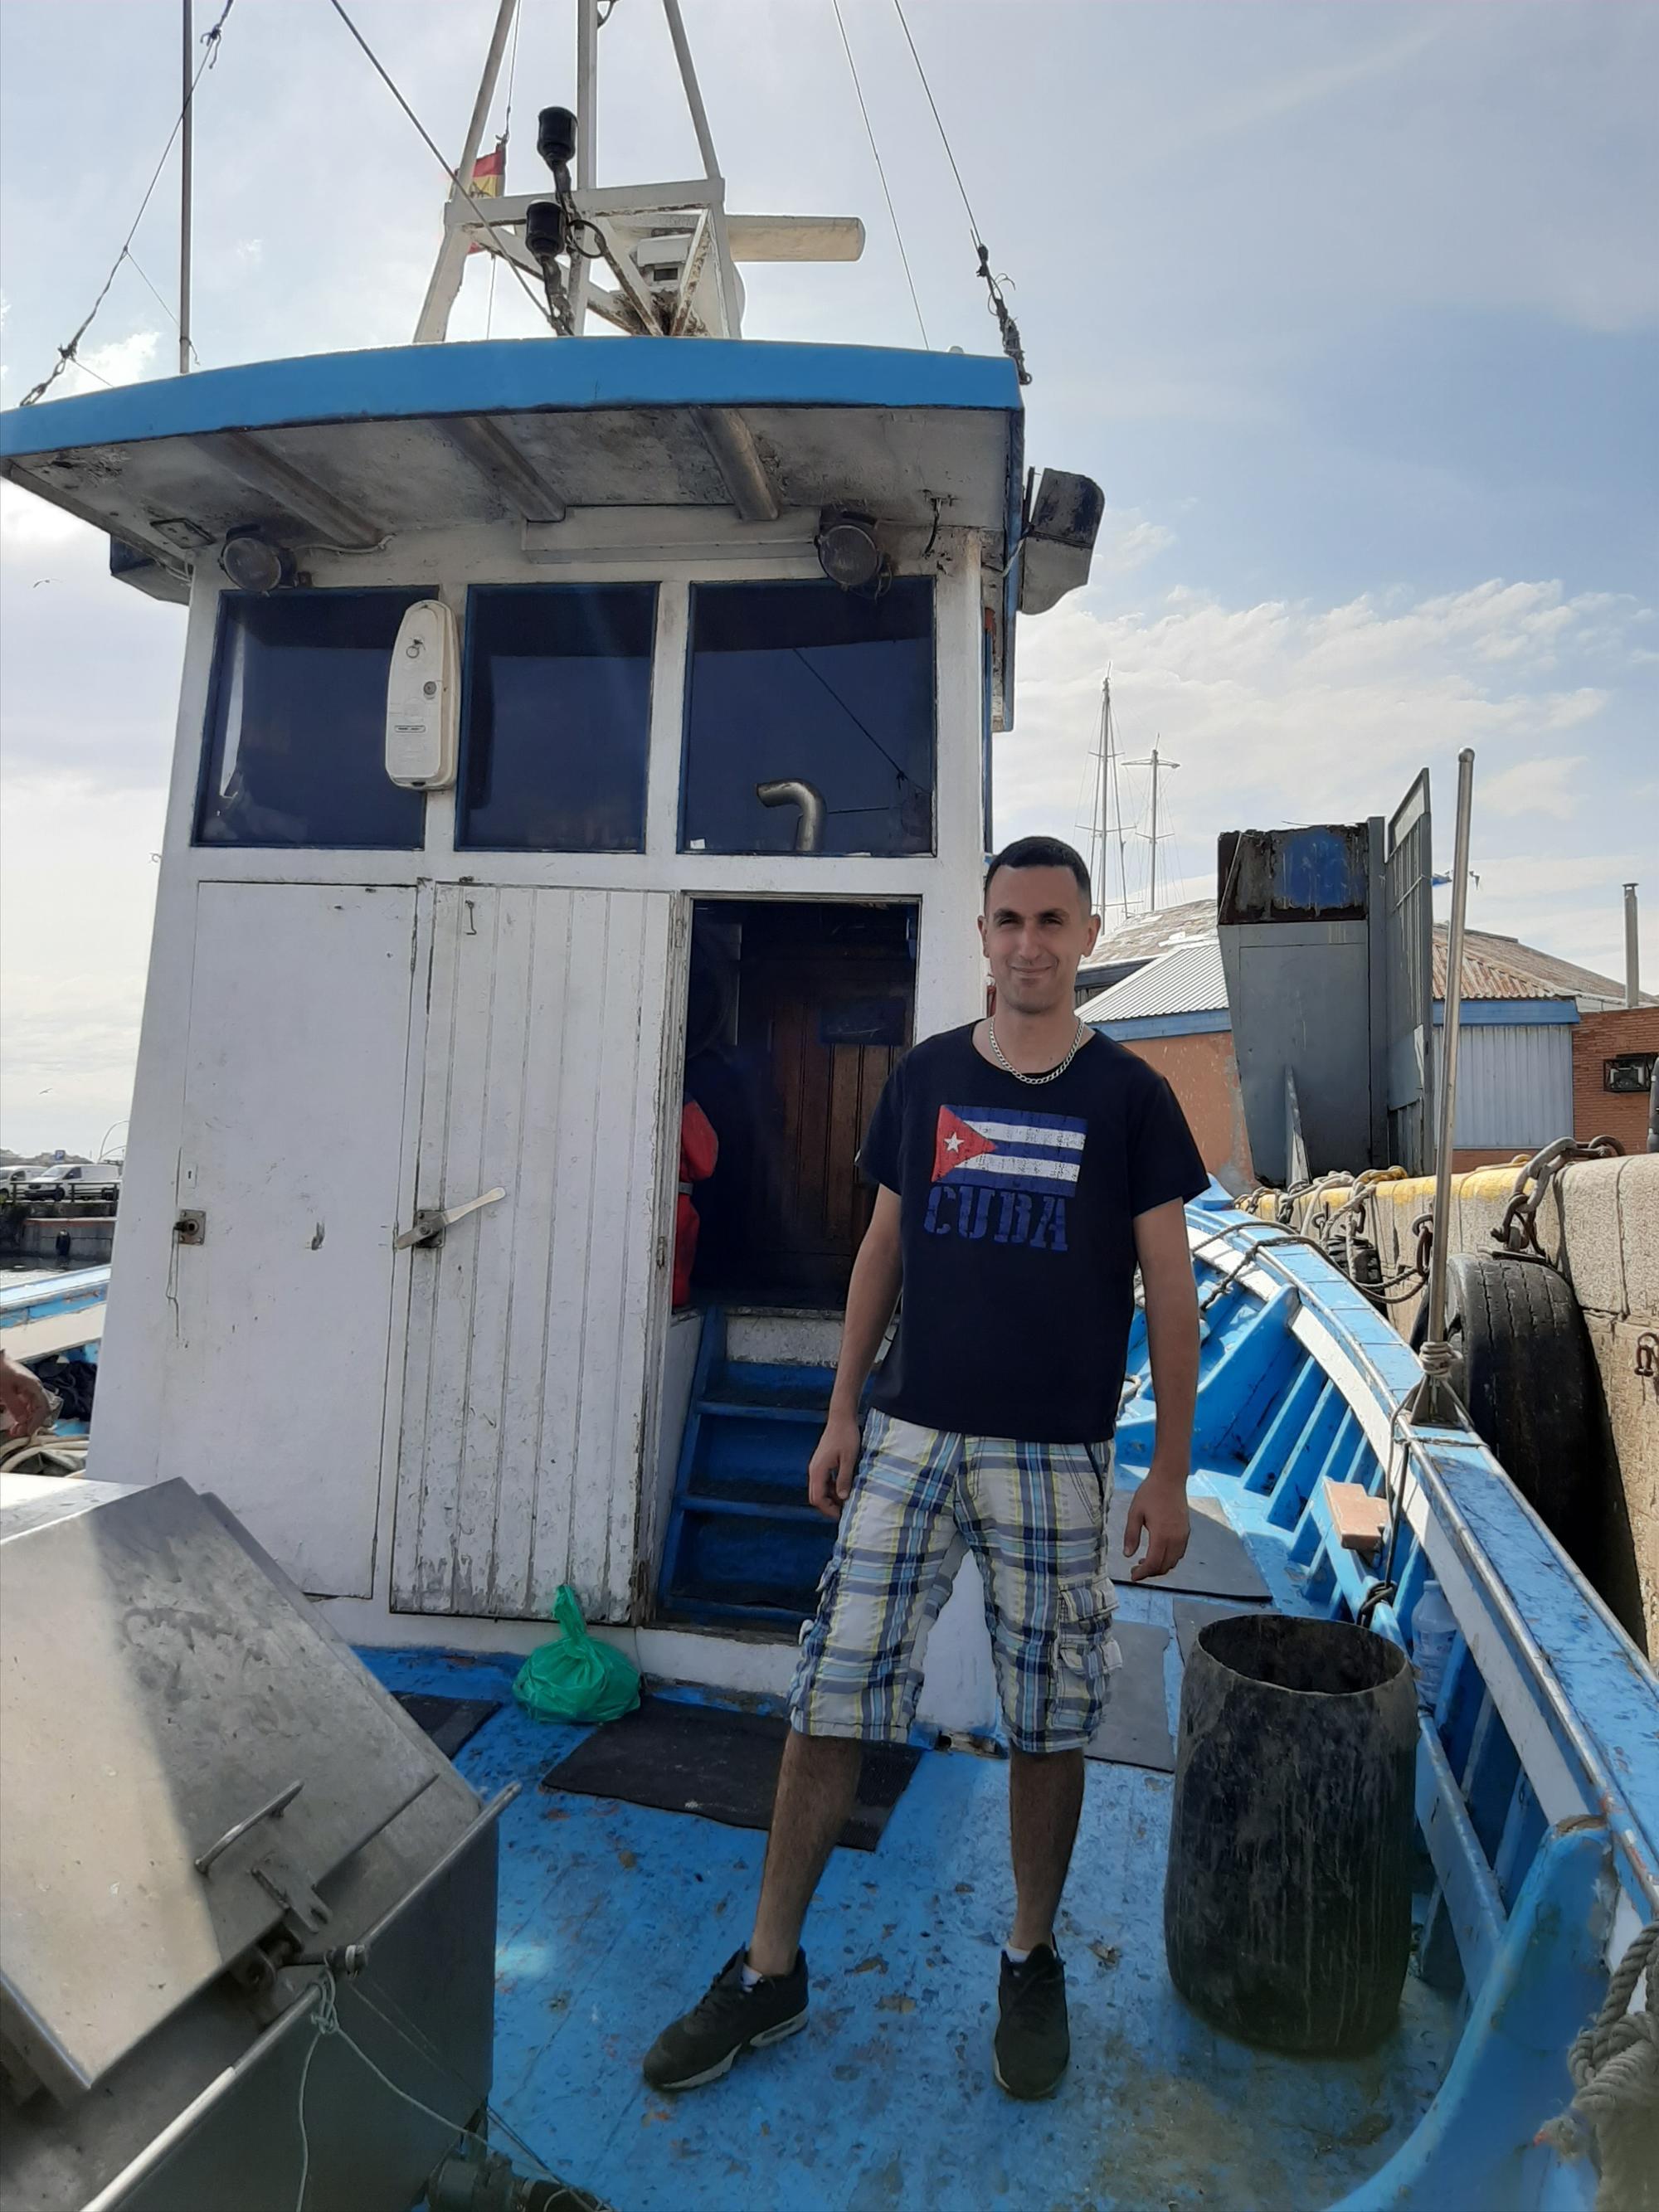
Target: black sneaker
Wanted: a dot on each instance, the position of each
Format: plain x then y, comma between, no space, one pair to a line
702,2043
1033,2043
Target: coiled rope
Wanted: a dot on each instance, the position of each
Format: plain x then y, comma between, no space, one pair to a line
1614,2065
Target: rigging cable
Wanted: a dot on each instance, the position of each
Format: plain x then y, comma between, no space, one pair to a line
66,353
875,150
999,306
466,191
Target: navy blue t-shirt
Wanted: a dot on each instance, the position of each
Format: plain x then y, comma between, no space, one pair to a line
1017,1204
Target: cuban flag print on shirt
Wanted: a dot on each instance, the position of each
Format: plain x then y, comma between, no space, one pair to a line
1005,1176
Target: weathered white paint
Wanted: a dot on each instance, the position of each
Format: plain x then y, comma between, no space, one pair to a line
682,1343
473,1513
275,1361
525,1394
789,1337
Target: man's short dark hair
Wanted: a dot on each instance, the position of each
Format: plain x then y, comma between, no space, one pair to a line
1041,852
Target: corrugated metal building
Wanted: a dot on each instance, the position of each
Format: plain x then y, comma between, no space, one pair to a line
1514,1087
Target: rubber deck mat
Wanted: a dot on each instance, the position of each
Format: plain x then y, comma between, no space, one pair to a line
1135,1731
1217,1564
450,1721
717,1765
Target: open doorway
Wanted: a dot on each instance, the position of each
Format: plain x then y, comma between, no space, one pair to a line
797,1010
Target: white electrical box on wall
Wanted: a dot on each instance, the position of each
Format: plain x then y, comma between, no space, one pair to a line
422,699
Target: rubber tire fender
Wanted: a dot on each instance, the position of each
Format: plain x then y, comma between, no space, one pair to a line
1524,1369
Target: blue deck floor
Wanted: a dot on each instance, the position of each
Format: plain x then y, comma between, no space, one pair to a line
613,1916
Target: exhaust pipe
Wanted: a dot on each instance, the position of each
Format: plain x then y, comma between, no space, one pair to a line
789,790
1633,951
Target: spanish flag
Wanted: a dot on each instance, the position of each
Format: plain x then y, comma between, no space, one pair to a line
488,175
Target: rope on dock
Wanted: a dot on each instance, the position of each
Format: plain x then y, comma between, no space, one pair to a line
1614,2065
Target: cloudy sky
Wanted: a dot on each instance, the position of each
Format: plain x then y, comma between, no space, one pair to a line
1352,309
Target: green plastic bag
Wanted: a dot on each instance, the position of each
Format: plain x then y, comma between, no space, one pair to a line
574,1678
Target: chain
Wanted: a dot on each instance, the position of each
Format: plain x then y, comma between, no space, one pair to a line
1054,1072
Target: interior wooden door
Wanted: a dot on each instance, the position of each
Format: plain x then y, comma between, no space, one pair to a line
826,1023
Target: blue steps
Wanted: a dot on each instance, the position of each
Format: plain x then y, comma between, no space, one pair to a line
744,1548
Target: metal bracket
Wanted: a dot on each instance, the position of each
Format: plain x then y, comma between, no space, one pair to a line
431,1221
190,1227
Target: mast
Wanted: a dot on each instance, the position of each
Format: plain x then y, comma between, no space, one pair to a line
588,123
186,134
1157,764
451,265
1101,828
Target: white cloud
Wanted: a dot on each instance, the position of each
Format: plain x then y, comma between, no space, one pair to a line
120,361
1286,712
1549,785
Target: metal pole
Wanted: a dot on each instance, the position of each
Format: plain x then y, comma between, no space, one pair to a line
450,266
1436,1326
1105,806
186,136
727,273
1632,950
587,101
1152,904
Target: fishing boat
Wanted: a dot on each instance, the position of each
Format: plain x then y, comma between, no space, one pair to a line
570,731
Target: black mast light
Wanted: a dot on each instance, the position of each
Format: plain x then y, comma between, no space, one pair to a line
544,229
556,137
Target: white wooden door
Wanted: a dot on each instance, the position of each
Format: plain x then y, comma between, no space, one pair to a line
527,1392
275,1348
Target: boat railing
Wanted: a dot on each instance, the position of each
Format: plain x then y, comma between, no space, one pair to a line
1532,1728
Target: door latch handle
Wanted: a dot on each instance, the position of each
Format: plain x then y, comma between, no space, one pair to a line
431,1221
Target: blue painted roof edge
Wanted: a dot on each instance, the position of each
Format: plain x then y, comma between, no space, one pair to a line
1512,1013
514,376
1477,1014
1199,1022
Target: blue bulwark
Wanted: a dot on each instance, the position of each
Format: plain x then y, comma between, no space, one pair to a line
513,376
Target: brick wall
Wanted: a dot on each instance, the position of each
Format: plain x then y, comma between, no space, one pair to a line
1203,1074
1599,1112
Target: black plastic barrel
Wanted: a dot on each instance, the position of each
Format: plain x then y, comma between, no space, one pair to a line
1287,1897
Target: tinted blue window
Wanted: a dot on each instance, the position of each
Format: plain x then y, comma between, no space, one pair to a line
807,683
296,751
557,725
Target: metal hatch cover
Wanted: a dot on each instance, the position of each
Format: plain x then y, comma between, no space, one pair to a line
157,1689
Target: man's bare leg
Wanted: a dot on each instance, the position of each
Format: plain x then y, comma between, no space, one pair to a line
1045,1801
816,1785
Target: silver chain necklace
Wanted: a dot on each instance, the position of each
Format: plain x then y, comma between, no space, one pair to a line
1053,1074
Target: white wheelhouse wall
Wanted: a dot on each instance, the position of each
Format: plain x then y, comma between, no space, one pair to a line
672,550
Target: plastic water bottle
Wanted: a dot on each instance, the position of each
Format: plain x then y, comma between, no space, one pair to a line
1434,1625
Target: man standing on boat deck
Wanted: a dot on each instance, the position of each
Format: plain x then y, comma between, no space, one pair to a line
1022,1166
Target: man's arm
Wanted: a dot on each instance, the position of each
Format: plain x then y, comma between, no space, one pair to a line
871,1297
1158,1509
23,1397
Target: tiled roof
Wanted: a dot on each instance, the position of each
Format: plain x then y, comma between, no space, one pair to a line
1187,980
1531,973
1146,935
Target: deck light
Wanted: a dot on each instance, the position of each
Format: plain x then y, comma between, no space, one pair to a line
556,138
847,552
252,563
544,229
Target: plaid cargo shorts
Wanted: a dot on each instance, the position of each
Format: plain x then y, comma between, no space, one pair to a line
1034,1516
